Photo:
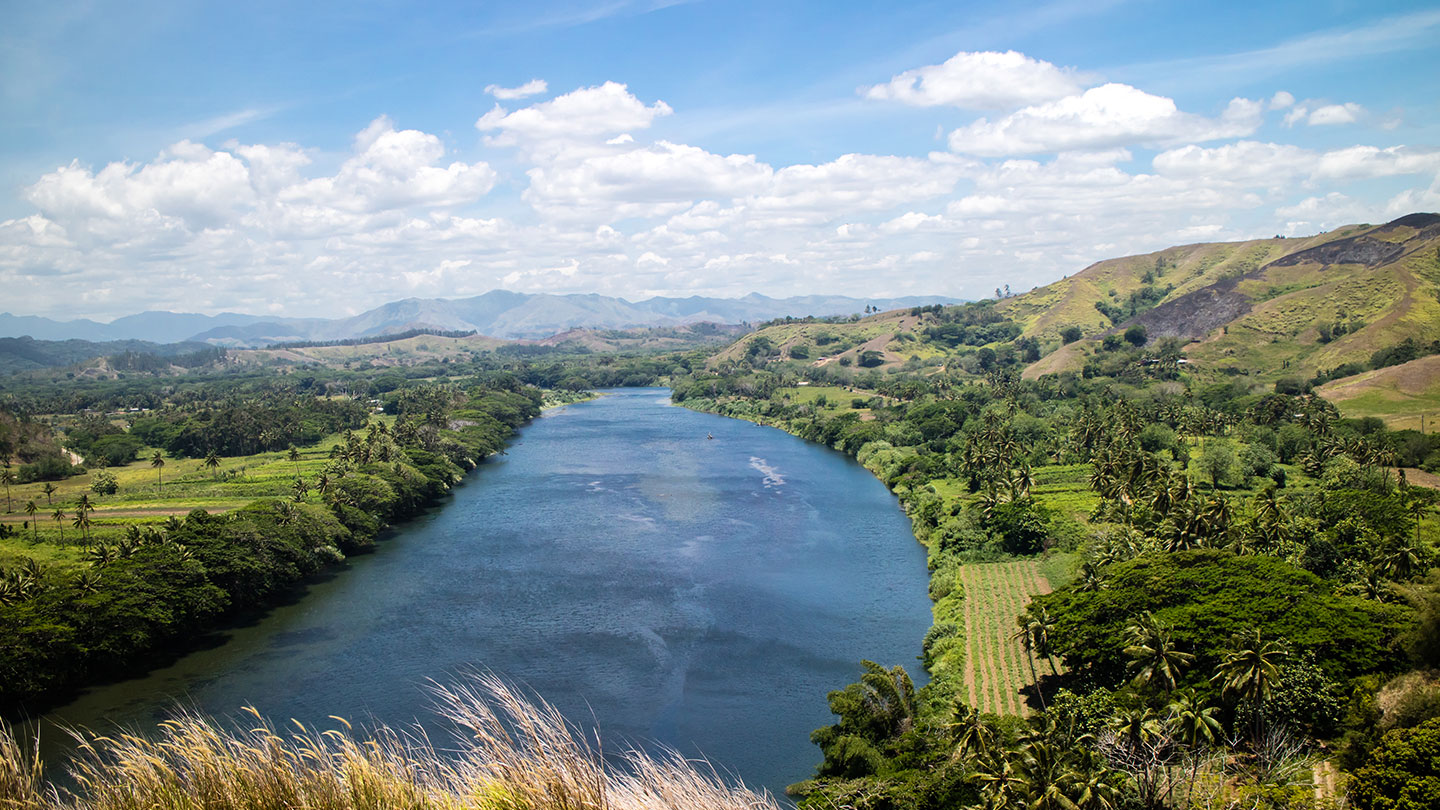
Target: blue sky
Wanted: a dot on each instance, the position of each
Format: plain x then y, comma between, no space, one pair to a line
319,158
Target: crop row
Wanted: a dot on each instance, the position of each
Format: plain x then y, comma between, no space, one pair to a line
997,667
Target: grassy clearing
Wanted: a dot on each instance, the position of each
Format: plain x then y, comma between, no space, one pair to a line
512,754
1399,394
996,666
147,497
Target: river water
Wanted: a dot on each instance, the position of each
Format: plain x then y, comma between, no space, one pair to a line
703,594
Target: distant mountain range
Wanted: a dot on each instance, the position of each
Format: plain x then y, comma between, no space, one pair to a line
497,313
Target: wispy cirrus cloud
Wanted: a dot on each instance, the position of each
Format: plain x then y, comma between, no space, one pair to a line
1404,32
206,127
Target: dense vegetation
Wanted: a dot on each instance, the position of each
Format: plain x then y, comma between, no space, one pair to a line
1246,574
1244,588
146,590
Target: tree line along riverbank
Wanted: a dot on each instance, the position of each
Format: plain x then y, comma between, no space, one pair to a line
121,585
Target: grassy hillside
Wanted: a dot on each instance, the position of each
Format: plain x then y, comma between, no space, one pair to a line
1293,311
1266,309
1402,395
410,351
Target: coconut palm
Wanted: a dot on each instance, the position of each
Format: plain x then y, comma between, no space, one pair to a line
294,457
31,509
1249,672
1137,727
212,460
87,582
7,477
1026,638
59,516
975,737
158,462
1154,658
82,522
1042,629
1405,560
889,694
49,490
1192,722
101,554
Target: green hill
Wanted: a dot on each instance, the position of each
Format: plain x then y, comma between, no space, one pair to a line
1297,312
1269,309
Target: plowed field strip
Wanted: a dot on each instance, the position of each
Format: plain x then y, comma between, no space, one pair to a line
996,666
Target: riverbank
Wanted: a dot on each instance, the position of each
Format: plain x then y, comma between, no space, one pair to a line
657,587
944,644
154,592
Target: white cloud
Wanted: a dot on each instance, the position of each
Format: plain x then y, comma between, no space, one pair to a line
661,179
1315,113
1363,162
1347,113
601,206
1102,117
533,87
1240,162
584,115
979,80
1281,100
395,169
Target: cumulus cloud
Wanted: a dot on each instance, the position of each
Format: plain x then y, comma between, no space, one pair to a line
1102,117
1314,113
582,115
601,205
1347,113
394,169
979,80
663,178
534,87
1240,162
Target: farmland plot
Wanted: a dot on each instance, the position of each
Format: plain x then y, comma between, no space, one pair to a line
996,665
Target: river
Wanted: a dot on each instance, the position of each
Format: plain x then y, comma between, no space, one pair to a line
666,587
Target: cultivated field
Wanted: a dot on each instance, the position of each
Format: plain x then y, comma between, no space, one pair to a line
996,668
147,497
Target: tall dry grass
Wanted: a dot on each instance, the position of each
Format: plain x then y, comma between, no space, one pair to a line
516,755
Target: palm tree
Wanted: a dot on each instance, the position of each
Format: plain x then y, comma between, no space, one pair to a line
7,477
1406,559
1041,631
1153,655
59,516
1249,672
49,490
889,694
82,522
212,460
1027,643
295,458
1192,722
976,737
31,509
158,462
1136,726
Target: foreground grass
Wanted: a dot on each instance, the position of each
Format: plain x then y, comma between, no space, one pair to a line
514,754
